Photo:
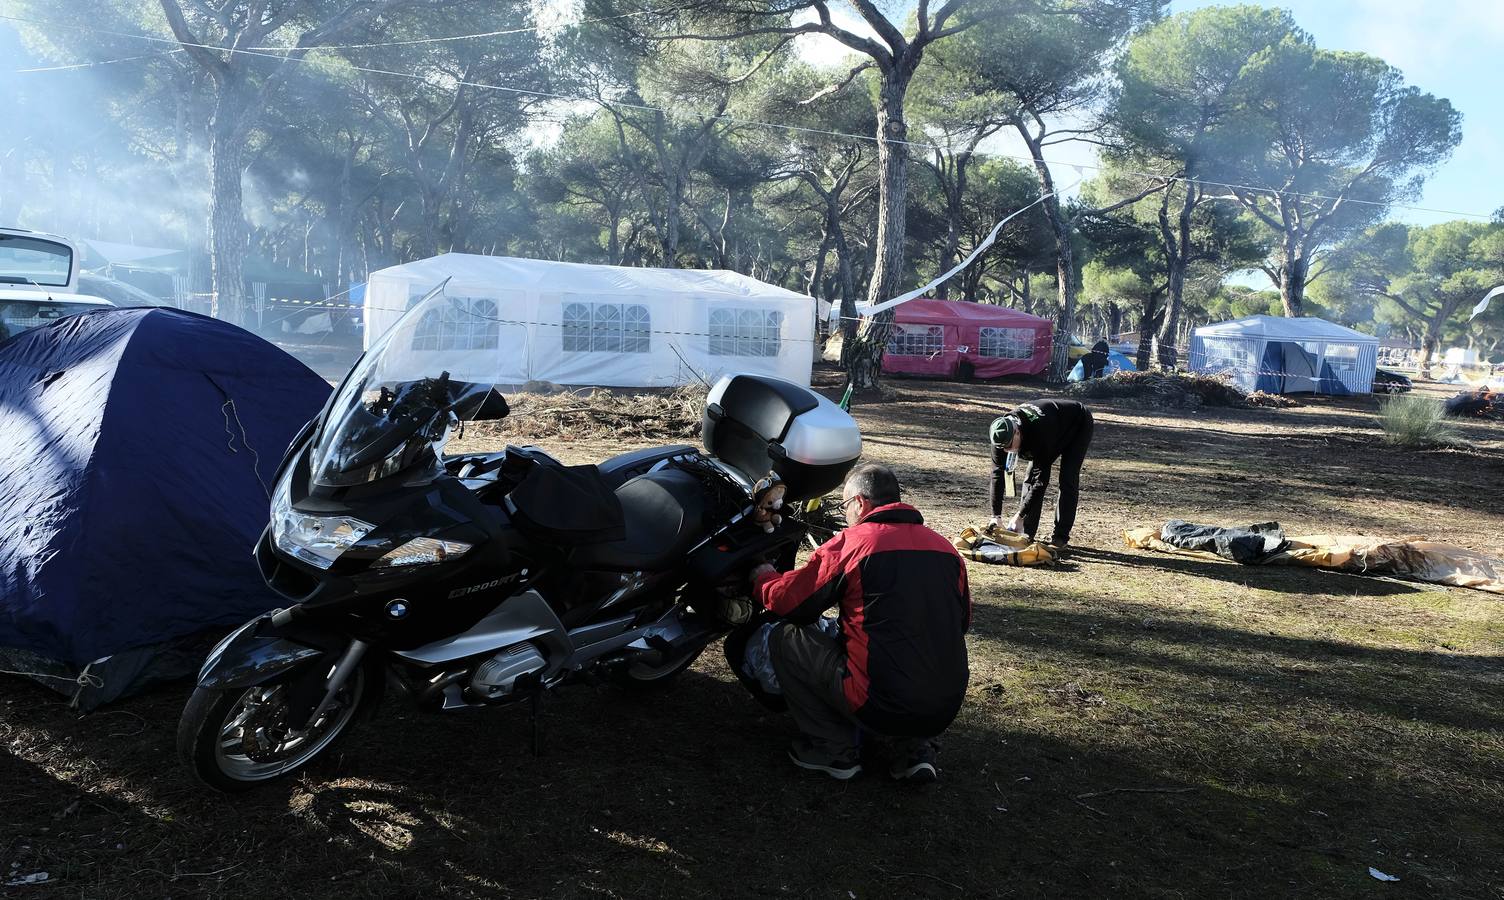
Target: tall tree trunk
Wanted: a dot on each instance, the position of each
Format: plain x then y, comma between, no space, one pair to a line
816,280
344,222
669,240
1431,340
227,232
1065,263
1146,330
1292,278
955,188
1428,344
1177,240
843,267
865,359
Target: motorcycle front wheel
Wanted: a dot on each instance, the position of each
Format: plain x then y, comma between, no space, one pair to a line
242,738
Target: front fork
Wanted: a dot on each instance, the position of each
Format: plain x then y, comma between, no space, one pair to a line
349,661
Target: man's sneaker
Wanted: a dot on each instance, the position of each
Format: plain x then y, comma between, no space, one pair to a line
839,768
917,769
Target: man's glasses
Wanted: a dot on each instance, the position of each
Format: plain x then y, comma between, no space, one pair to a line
846,503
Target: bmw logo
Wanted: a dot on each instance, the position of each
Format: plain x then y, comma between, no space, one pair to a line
397,609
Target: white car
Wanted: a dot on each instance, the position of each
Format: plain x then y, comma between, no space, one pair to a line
38,281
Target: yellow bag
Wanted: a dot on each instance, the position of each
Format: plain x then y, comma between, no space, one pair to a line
1001,547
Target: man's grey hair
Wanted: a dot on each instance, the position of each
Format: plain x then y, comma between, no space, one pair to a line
874,481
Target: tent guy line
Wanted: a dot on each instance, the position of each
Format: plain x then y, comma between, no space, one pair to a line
94,65
727,117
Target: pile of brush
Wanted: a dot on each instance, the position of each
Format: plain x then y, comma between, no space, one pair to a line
666,416
1177,390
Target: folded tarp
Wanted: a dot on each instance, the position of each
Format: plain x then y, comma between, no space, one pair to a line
1001,547
1247,544
1413,558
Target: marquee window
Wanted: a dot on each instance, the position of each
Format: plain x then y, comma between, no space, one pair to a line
916,340
1006,343
745,332
461,323
1224,354
1342,357
607,328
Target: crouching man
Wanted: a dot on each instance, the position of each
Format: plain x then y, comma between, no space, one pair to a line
897,671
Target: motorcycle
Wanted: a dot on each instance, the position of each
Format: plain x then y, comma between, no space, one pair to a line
486,579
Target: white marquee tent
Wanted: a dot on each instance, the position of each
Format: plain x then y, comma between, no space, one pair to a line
575,324
1287,355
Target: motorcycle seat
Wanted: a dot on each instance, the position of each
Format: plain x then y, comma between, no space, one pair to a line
664,515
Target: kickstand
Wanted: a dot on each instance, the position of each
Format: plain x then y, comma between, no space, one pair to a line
536,717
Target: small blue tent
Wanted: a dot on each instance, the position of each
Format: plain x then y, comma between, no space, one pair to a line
139,449
1116,362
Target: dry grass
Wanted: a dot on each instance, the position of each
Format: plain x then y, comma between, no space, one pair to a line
600,414
1414,421
1137,725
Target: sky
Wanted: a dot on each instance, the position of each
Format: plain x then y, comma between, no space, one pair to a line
1445,47
1448,48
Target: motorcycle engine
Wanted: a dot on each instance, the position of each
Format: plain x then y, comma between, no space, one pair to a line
497,676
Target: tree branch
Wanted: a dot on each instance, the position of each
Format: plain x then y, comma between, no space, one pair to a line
760,63
841,85
876,20
1402,304
1258,213
218,69
1104,210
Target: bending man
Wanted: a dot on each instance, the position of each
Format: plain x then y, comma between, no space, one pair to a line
1042,432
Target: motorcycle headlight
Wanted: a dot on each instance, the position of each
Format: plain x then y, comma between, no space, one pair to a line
421,551
316,540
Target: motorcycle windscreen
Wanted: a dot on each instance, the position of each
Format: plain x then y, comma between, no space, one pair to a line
434,365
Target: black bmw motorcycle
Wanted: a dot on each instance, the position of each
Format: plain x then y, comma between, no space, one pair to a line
477,580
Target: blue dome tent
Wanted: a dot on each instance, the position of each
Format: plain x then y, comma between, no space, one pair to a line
1116,362
134,480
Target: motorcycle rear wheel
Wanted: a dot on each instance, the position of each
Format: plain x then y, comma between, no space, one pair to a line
220,728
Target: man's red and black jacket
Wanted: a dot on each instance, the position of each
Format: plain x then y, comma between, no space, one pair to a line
905,608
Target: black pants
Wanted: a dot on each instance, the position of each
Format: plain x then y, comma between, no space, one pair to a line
1032,504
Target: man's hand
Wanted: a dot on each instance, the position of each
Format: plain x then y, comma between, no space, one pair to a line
759,572
993,523
1014,525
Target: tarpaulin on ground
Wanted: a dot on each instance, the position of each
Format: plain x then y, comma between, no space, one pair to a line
1414,558
1247,544
1001,547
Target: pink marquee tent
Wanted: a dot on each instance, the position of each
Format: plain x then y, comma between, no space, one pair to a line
935,337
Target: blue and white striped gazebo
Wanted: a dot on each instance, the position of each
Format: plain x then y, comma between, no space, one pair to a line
1287,356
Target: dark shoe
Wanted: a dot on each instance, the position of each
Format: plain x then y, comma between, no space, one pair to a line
840,768
916,769
1058,549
